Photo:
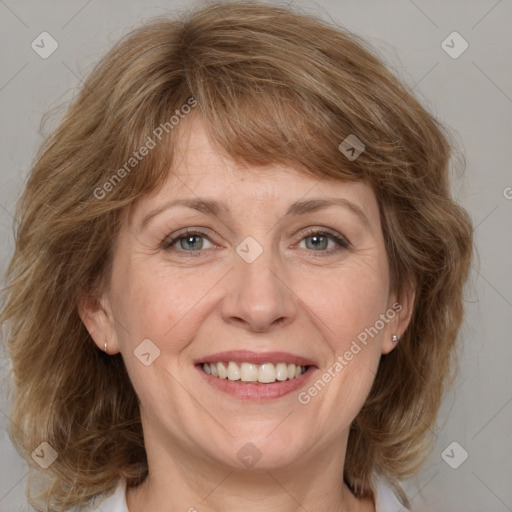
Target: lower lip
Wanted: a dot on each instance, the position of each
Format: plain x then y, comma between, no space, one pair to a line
247,391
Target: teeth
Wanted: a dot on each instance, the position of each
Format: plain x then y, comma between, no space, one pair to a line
267,373
247,372
233,371
221,370
282,371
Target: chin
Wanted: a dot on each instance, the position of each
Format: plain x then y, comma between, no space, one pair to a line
266,452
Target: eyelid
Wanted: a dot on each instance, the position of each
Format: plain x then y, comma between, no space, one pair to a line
341,241
326,231
171,239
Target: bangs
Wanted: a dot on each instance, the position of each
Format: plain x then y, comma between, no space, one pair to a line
252,127
273,125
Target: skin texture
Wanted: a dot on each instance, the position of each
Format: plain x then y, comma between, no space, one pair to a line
310,300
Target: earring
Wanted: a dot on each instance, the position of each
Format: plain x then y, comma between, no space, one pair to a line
105,346
394,338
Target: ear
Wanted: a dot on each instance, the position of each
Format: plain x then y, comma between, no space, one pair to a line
403,308
99,321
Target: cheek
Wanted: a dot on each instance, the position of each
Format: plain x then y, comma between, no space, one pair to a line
160,303
350,309
351,303
355,305
164,307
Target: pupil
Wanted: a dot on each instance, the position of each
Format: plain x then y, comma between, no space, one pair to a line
317,241
190,240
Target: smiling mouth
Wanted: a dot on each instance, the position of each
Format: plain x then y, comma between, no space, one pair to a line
247,373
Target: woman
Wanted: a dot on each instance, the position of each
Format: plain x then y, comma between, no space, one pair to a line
238,275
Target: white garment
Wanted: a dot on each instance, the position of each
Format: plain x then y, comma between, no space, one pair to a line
385,500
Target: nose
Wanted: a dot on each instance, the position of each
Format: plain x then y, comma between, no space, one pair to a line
259,299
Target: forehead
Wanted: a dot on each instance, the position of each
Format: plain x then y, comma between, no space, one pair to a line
202,170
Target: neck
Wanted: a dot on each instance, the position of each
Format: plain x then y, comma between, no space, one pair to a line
178,480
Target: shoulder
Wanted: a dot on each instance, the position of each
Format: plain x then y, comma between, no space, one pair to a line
115,502
385,498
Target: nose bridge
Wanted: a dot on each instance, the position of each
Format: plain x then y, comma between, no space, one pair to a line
258,294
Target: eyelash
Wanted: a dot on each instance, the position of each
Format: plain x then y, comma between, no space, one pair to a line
341,241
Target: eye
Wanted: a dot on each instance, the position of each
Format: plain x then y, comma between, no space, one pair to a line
320,239
193,240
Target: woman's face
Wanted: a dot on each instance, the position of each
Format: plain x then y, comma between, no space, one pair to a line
267,275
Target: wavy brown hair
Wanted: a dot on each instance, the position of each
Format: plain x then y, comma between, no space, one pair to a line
272,85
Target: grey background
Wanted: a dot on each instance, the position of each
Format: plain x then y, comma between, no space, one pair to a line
472,94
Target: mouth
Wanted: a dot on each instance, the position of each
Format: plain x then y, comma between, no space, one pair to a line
255,376
246,372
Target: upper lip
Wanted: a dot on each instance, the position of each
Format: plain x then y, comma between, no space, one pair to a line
247,356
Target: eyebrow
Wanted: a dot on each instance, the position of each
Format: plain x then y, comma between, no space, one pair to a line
216,209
